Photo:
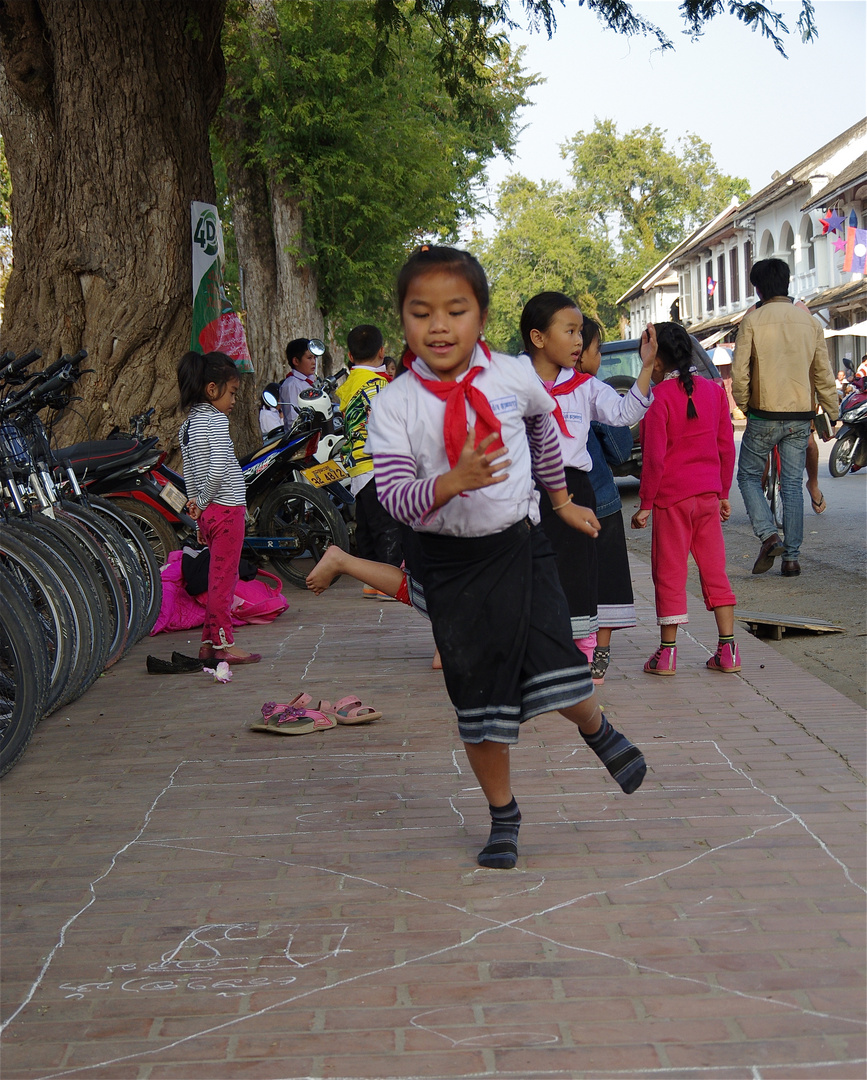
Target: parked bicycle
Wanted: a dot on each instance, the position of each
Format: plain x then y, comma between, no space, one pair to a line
87,576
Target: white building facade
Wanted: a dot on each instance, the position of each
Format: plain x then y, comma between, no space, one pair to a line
783,221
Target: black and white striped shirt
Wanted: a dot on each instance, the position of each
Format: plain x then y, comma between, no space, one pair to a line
211,469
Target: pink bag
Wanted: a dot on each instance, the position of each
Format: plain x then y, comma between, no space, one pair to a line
255,601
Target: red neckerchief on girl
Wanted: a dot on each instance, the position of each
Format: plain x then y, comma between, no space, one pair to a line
456,394
567,387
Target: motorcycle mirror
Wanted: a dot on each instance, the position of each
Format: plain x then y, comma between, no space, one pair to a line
316,346
269,399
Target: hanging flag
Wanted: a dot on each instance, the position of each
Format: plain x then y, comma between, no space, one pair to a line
853,219
856,251
216,327
711,287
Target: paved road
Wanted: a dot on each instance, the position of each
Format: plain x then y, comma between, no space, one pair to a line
186,900
831,586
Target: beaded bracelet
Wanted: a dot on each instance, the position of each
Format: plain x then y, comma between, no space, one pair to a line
562,504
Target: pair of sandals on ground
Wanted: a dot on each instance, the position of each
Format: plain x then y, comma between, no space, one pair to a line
297,717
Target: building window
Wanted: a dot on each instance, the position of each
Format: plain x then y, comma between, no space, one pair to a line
806,240
686,295
748,266
709,284
735,275
721,280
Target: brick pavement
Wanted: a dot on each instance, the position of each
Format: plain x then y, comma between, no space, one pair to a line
182,898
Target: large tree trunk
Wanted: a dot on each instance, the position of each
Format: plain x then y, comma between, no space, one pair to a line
280,297
104,111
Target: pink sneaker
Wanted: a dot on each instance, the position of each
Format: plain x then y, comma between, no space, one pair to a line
663,661
726,658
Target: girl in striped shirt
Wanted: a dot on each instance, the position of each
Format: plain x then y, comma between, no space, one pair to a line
217,493
456,442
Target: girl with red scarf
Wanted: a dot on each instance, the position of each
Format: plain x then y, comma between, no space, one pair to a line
551,327
456,442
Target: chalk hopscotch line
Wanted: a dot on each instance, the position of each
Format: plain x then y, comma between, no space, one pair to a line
493,925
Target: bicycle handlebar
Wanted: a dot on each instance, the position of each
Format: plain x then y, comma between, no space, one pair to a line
22,362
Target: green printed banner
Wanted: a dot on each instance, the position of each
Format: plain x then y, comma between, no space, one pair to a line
216,327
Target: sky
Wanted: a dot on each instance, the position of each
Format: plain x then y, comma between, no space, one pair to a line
758,111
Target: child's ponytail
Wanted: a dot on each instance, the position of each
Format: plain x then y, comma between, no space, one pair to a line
674,346
197,370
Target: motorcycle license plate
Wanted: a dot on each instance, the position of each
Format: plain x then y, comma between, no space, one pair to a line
176,499
325,473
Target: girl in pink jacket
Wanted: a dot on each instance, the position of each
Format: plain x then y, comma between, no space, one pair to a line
688,455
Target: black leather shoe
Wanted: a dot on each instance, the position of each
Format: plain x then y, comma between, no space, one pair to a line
790,568
770,549
188,663
179,665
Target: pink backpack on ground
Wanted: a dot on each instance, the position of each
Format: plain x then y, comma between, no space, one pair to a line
257,601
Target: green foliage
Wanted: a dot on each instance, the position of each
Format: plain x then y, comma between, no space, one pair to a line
631,200
377,161
645,195
542,244
616,15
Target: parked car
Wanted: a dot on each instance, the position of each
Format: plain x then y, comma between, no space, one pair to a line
620,368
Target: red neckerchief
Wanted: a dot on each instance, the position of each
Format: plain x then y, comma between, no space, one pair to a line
567,387
456,395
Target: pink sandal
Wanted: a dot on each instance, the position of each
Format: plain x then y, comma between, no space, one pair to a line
349,710
293,718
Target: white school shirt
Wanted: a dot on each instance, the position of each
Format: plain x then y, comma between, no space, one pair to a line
406,420
593,400
290,388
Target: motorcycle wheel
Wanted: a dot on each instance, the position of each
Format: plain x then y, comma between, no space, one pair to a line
157,531
301,512
842,454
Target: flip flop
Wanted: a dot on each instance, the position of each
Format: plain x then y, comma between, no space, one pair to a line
819,505
349,710
293,718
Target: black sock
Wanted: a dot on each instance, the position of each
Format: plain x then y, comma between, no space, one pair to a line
501,850
727,640
624,761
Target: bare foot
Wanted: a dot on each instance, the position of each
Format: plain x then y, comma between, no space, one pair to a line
437,662
326,570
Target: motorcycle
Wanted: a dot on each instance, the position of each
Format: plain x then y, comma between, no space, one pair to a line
291,496
850,449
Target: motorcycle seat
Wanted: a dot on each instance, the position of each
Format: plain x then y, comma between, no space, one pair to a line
103,455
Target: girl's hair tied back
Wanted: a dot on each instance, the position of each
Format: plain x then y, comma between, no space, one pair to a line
430,258
539,312
674,346
197,370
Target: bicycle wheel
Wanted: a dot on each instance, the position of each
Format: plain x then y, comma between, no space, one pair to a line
117,612
47,594
98,614
149,568
157,531
124,564
306,517
23,673
773,491
70,572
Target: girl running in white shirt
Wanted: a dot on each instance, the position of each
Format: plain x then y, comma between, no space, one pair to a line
456,442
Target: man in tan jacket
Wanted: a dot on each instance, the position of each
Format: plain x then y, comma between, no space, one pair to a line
780,368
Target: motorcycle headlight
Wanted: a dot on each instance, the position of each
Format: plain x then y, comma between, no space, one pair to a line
852,416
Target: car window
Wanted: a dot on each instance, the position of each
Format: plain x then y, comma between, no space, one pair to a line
620,358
